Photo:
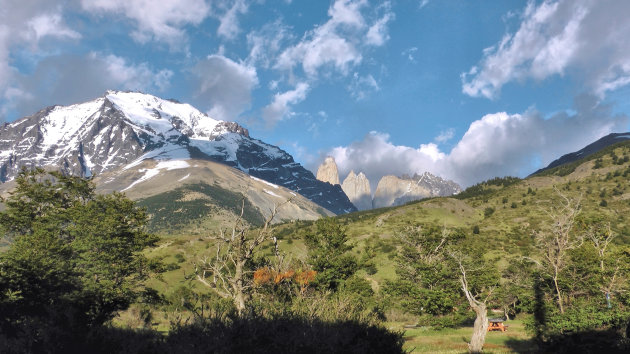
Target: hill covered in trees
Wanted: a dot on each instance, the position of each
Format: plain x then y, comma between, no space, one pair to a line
553,249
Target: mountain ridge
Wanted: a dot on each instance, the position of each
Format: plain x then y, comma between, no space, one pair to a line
589,149
122,129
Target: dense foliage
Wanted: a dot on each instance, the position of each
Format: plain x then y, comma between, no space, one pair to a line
329,253
74,260
487,187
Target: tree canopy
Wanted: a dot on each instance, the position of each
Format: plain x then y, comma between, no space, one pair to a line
74,259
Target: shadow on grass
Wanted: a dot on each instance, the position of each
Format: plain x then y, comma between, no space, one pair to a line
593,341
247,335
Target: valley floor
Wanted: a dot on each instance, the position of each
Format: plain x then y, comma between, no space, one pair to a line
454,340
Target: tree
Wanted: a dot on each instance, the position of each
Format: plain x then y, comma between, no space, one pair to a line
436,267
328,253
424,268
555,243
227,272
478,279
75,256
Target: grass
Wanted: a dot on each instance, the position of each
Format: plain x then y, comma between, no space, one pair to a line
505,233
454,340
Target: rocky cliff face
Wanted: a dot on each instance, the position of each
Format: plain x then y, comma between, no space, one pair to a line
327,171
125,128
357,188
392,190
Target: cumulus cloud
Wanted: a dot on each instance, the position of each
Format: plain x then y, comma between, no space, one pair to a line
498,144
163,21
581,37
280,107
338,42
24,24
376,156
67,79
265,44
229,23
225,84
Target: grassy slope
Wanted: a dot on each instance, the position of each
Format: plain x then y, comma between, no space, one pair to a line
519,211
508,230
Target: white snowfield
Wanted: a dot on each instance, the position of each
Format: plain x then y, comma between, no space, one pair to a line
265,182
162,165
150,111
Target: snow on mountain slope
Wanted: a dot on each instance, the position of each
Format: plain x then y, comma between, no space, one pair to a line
122,129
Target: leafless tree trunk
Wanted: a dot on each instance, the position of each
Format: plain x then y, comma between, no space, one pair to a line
227,268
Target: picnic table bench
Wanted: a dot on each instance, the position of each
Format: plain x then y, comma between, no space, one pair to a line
496,324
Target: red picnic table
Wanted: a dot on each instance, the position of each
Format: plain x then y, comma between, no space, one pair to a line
496,324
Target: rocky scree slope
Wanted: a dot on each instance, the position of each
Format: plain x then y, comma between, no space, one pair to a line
122,129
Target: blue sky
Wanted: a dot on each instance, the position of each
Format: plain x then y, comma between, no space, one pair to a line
467,90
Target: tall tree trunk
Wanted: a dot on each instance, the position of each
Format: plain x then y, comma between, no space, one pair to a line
480,328
239,287
555,283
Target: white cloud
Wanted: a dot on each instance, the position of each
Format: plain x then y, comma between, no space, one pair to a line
361,86
265,44
376,156
67,79
226,85
132,77
377,34
585,38
51,25
23,25
498,144
410,54
160,21
445,135
229,23
423,3
339,42
280,107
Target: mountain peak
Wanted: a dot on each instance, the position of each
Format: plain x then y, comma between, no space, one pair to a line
328,172
122,129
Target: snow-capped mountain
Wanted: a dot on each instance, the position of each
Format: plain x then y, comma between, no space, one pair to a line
122,129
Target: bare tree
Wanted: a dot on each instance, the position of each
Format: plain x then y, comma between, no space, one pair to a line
601,236
555,243
479,305
225,272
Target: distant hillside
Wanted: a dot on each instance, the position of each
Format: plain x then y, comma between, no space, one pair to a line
602,143
503,213
186,195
